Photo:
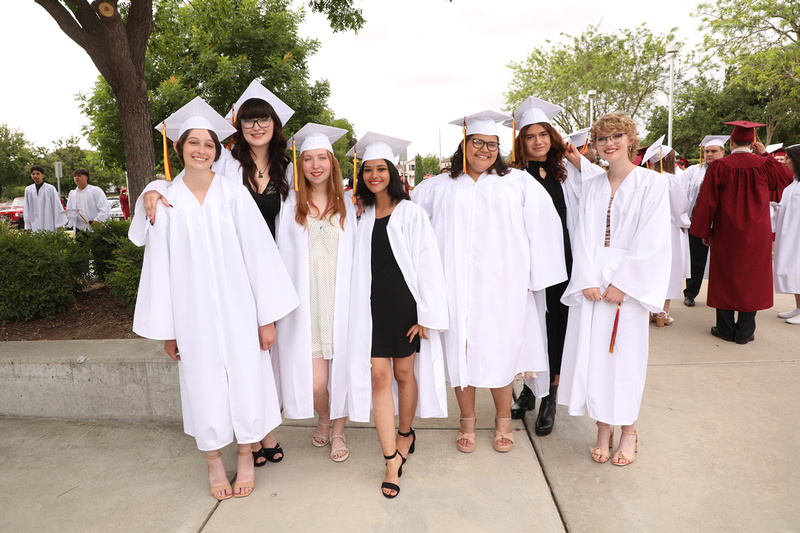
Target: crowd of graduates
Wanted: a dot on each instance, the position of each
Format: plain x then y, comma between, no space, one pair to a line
276,289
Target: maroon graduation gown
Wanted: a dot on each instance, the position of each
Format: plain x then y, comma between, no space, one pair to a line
733,210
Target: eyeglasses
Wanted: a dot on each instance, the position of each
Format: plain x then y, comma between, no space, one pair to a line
492,146
248,123
615,138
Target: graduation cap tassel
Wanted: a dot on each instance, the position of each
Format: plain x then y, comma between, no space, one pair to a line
465,146
167,166
513,136
660,161
355,174
294,164
614,331
585,146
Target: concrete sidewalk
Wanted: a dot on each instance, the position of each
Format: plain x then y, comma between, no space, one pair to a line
718,428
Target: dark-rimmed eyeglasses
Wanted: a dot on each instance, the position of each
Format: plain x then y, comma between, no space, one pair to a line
492,146
248,123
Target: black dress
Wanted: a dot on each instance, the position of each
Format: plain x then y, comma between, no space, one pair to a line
557,312
268,202
394,310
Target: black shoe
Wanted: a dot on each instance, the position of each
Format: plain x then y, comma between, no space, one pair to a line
268,454
413,441
547,413
526,401
716,333
688,301
745,341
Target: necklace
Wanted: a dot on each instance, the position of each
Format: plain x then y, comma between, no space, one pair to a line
261,172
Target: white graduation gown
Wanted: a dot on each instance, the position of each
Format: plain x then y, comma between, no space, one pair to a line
787,241
501,244
292,350
693,180
417,253
637,262
210,278
43,210
95,208
679,218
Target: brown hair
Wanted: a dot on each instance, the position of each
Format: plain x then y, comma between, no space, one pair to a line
276,151
182,141
620,122
667,163
334,191
555,156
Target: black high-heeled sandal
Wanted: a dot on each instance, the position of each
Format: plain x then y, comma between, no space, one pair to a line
268,454
392,486
413,442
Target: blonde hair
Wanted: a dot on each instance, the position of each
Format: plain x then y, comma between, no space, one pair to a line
334,191
618,122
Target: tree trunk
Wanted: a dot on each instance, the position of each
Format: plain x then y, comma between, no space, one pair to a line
137,133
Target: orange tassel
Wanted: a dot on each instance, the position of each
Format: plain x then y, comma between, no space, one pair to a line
465,145
614,331
585,146
167,165
294,164
355,174
660,161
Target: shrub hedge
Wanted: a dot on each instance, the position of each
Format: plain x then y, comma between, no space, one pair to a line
102,242
126,268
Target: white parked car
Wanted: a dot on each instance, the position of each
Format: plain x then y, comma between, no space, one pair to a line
115,208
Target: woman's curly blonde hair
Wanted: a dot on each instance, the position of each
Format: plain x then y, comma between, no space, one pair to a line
618,122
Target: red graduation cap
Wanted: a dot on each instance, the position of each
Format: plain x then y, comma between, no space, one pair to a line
744,131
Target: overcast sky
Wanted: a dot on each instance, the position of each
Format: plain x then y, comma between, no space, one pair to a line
415,66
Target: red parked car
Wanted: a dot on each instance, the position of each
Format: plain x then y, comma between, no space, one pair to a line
13,214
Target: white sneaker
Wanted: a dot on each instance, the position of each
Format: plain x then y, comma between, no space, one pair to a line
790,314
793,320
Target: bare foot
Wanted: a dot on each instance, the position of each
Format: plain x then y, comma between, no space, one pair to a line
392,467
604,432
217,476
627,445
322,435
467,426
245,471
267,442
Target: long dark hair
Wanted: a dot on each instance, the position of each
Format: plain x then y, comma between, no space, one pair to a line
276,151
396,190
554,162
793,153
456,167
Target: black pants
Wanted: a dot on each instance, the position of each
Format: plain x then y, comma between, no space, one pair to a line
698,253
556,322
738,330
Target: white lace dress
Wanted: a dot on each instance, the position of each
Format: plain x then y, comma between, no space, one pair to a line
323,246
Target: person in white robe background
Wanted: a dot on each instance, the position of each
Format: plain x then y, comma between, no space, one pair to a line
87,206
501,245
42,207
621,267
661,158
787,238
316,232
212,287
397,308
558,167
257,159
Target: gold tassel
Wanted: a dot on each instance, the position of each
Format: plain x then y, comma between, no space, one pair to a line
465,146
513,136
355,174
294,164
167,165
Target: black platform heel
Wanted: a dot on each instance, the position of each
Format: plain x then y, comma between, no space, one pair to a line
392,486
413,442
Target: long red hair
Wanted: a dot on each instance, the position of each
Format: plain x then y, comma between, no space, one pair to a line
334,190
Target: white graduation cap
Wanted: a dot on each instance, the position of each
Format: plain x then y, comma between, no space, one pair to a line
580,137
714,140
482,123
659,152
377,146
197,114
655,149
313,136
258,91
534,111
772,147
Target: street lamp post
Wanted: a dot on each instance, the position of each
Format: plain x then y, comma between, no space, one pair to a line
592,94
672,50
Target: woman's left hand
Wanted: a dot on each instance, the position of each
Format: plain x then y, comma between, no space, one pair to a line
266,336
573,155
415,330
613,295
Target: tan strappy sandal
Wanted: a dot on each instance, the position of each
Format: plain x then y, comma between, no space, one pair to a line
500,436
469,437
604,453
218,488
246,484
619,454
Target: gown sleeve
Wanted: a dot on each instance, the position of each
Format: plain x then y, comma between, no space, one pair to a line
137,232
153,317
545,237
427,260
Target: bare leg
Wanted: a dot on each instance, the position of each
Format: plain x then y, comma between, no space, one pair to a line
797,301
321,399
502,403
466,404
337,439
267,442
407,398
383,410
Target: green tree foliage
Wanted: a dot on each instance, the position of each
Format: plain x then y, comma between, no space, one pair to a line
16,155
760,41
126,269
424,166
343,145
628,69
